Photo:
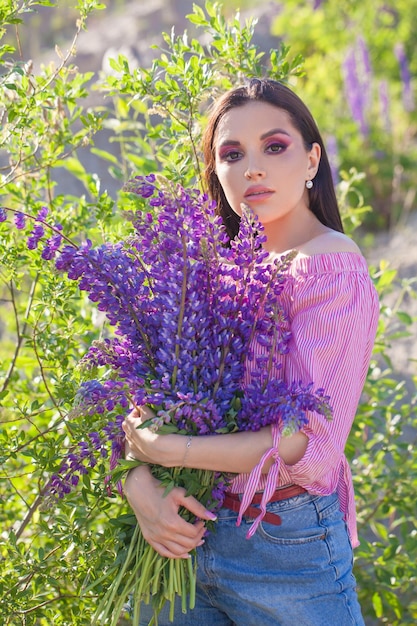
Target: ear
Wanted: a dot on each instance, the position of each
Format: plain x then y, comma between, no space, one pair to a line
313,160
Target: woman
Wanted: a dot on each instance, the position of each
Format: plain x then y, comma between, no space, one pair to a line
262,148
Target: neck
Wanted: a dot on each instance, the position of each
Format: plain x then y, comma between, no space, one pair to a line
289,234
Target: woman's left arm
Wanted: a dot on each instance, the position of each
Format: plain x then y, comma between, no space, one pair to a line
236,453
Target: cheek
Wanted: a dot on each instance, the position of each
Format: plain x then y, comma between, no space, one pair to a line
227,178
221,173
231,195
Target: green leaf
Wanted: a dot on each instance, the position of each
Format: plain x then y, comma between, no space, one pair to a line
169,487
198,17
127,519
377,604
128,464
104,154
73,165
386,278
405,318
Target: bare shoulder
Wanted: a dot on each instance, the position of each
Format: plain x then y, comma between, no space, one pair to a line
329,241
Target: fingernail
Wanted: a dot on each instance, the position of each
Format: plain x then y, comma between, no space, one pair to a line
212,516
201,543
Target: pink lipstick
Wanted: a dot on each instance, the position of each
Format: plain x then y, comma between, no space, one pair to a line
258,193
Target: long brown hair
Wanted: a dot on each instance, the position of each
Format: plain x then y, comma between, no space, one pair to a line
322,196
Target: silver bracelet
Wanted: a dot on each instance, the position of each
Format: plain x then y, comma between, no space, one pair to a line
187,447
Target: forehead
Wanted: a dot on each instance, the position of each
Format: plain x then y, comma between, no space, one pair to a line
253,118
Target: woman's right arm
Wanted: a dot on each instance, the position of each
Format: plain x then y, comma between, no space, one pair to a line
157,515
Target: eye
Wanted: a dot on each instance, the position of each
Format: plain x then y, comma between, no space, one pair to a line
230,155
276,147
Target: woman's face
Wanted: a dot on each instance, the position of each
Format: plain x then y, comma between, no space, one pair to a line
261,161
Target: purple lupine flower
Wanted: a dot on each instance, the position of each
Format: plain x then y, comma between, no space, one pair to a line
357,85
384,102
42,214
53,244
333,154
142,185
76,464
407,93
3,214
365,70
35,236
19,220
66,257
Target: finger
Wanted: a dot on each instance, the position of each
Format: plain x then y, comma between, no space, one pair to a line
183,533
195,507
172,527
137,415
146,413
176,544
126,427
167,552
174,549
131,432
127,431
130,424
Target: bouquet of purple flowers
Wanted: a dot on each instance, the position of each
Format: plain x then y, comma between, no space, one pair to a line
187,306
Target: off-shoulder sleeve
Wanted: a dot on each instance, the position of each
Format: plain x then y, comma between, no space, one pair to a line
333,321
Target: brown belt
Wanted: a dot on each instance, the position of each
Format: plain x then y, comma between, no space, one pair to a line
232,502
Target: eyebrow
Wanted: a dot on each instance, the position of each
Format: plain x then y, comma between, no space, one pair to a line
275,131
269,133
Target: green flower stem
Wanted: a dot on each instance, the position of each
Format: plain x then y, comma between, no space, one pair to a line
159,573
121,601
108,599
184,589
173,588
192,577
171,579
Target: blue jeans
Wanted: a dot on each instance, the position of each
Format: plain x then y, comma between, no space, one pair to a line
295,574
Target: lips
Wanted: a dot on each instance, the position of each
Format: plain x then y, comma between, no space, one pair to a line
258,192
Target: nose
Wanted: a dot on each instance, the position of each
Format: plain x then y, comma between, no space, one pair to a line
254,172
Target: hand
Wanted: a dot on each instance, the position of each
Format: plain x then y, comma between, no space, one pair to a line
166,531
142,443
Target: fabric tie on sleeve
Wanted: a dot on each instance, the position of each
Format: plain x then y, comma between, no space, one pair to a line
254,479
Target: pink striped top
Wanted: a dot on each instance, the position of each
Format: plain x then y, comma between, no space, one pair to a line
333,311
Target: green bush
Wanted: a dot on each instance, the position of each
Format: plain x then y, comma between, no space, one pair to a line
52,551
359,78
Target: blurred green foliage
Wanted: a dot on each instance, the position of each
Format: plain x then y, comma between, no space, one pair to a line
360,65
51,551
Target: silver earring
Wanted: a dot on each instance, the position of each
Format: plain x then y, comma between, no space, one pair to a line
309,184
